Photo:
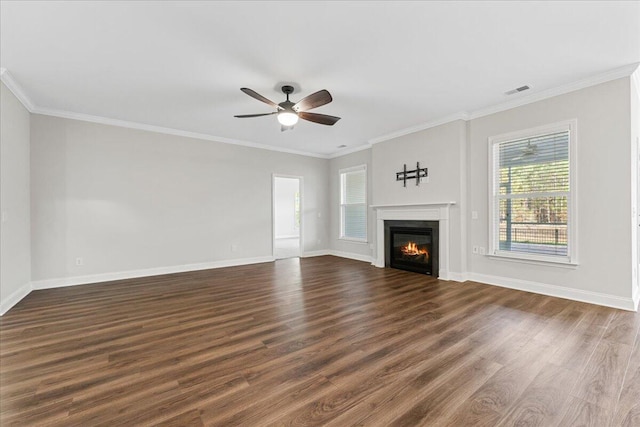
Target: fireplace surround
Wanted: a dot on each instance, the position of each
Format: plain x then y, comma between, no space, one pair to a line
415,212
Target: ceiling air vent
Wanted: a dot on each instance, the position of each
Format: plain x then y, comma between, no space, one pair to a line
518,89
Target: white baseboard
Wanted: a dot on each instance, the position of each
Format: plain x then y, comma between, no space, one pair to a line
630,304
458,277
351,255
309,254
556,291
15,298
107,277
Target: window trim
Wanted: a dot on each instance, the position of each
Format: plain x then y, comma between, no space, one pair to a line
572,243
341,205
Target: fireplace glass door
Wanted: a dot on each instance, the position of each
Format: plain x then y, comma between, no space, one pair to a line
411,249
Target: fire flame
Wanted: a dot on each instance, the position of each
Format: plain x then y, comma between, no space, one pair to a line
412,249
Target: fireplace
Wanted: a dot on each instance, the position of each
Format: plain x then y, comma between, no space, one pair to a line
412,246
434,215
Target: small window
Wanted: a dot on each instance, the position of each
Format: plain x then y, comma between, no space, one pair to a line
353,203
532,214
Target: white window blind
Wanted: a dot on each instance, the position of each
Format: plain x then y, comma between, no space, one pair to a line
532,210
353,203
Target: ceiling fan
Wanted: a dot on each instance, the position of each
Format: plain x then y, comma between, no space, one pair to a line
289,112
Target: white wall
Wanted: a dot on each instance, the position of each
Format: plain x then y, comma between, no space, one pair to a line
128,200
358,250
442,150
15,243
603,191
285,190
635,182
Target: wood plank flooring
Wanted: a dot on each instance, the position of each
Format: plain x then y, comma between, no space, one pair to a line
318,341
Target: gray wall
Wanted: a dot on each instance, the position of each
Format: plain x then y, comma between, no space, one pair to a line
126,200
15,241
603,188
457,158
441,149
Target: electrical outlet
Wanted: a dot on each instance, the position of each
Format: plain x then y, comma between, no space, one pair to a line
474,214
475,249
424,179
234,247
481,250
79,261
5,216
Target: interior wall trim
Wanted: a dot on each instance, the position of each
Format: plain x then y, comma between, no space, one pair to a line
458,277
630,304
168,131
519,101
590,297
625,71
15,298
309,254
16,89
617,73
132,274
351,255
21,94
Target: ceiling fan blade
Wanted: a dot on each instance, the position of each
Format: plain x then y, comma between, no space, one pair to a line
244,116
256,95
314,100
323,119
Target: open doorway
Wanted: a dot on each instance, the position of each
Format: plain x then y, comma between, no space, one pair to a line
287,216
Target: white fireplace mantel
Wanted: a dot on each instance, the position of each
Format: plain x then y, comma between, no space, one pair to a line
415,212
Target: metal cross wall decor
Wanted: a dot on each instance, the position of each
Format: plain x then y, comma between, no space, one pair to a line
416,174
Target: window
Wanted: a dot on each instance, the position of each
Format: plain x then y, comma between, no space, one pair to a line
353,203
532,206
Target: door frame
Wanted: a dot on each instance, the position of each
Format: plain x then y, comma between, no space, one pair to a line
273,210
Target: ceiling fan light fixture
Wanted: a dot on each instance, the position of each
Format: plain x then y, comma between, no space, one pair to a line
287,118
289,112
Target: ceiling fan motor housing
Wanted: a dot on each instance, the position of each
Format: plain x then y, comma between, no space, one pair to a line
287,89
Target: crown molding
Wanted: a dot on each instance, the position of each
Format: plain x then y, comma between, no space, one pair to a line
614,74
632,70
462,115
636,79
167,131
16,89
346,151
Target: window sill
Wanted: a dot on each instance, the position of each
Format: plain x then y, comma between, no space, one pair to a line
353,240
546,261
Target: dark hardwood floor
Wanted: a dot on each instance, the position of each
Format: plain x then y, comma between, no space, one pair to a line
319,341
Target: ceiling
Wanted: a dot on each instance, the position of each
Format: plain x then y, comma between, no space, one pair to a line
390,66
